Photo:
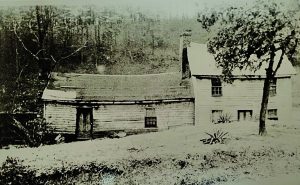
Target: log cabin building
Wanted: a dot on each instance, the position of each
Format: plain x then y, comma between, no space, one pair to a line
86,104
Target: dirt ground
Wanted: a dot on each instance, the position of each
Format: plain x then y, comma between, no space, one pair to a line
178,157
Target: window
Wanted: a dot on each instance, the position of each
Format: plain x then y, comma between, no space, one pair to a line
273,87
150,119
150,122
216,87
215,115
244,115
272,114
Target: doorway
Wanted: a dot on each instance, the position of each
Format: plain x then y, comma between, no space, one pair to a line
84,123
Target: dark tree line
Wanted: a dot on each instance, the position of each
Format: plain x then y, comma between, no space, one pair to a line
38,40
35,41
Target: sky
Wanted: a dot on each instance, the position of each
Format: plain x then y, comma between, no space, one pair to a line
161,7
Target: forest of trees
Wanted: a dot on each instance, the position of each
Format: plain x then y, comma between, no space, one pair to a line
35,41
38,40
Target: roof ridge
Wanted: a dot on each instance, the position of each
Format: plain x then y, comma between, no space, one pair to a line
86,74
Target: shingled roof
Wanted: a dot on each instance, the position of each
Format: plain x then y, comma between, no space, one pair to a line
107,88
202,63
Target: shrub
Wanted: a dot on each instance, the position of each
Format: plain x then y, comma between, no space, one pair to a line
32,133
39,132
224,118
13,172
217,137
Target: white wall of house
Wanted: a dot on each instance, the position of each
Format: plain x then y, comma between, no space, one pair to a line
127,116
240,95
61,117
108,117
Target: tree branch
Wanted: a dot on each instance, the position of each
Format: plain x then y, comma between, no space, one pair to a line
31,31
20,74
23,45
73,53
63,58
57,61
39,51
279,62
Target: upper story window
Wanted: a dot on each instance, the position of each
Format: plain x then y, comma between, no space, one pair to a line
216,87
273,83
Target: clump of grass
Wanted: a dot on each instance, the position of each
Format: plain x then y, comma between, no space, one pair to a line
217,137
224,118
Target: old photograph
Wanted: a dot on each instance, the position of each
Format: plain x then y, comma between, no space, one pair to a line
149,92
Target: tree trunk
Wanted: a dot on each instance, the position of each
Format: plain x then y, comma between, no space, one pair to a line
26,135
264,106
266,91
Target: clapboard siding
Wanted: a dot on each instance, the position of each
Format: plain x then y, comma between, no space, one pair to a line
121,117
242,94
111,117
172,115
61,117
283,100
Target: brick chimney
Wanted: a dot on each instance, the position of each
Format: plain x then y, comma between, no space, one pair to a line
185,40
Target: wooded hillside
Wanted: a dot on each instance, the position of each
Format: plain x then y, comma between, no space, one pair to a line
35,41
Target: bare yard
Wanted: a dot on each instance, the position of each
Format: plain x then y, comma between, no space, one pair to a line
177,156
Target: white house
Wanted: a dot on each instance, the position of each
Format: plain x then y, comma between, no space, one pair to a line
240,100
88,104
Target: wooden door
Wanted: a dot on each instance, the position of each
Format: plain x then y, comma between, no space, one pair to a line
84,123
